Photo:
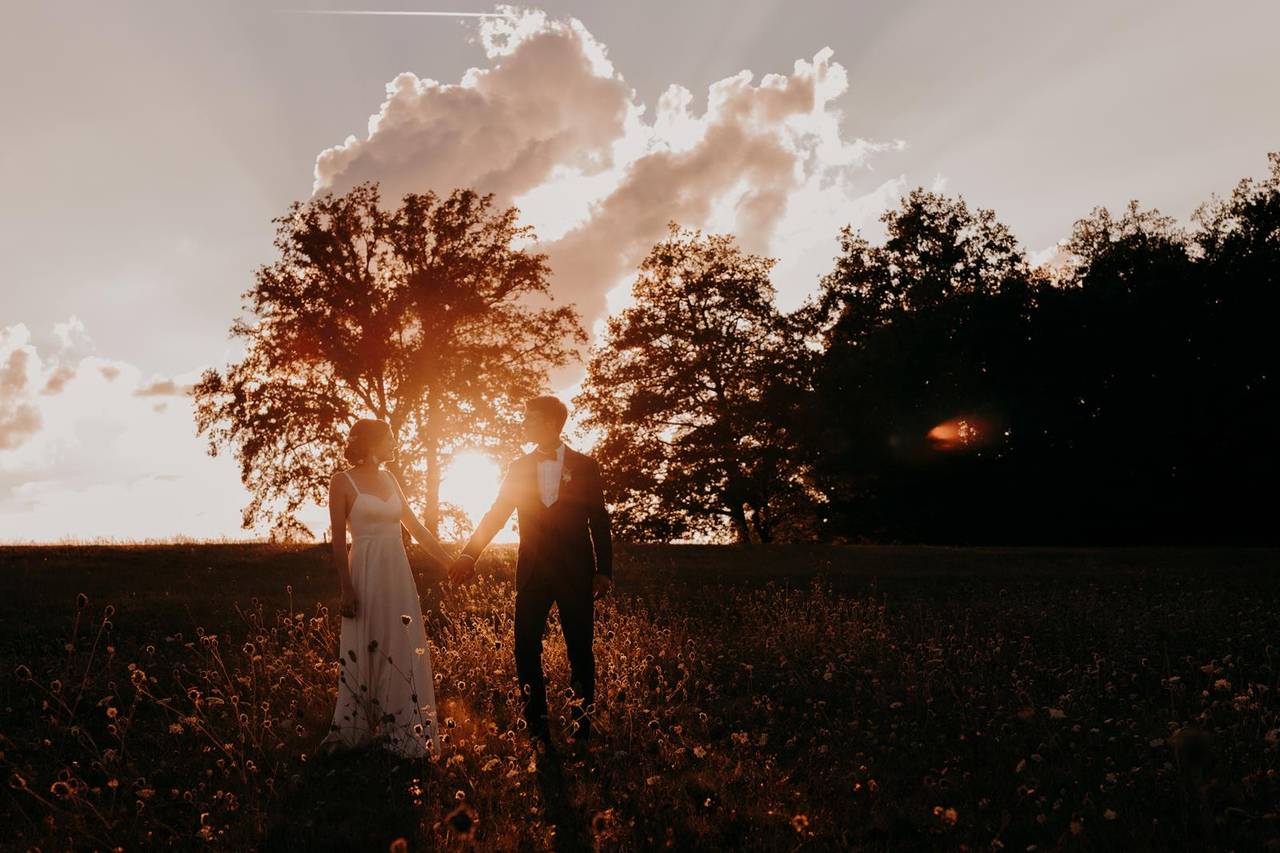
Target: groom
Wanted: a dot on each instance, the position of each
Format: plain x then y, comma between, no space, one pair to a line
565,557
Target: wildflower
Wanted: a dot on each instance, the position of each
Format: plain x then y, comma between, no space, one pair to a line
800,823
948,816
462,820
600,821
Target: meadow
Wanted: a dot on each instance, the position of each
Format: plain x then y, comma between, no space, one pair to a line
779,698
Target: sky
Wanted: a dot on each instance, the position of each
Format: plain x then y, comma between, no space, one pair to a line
148,145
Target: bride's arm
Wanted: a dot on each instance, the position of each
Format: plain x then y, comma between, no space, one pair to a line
338,525
418,530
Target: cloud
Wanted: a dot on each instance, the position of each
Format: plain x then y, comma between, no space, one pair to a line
62,374
19,420
163,388
17,424
551,126
1055,261
73,338
550,98
90,449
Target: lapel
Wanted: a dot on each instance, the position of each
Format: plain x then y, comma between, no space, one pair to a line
567,472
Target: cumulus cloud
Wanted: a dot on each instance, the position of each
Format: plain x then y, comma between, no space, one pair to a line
552,126
162,388
19,420
62,374
550,98
89,448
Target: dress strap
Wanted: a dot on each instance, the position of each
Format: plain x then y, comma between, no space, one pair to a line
353,482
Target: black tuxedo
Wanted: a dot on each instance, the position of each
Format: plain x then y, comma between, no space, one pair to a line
562,547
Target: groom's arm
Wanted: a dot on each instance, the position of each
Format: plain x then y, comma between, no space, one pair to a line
494,519
598,521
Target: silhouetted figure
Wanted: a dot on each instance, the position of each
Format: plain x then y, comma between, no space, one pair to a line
565,557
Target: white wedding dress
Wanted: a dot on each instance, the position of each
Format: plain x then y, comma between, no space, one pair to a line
386,691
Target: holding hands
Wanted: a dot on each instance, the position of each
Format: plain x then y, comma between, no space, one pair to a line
462,569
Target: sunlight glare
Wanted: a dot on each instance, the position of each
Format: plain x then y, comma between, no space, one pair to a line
471,482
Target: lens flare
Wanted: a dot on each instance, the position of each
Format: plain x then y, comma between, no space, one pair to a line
959,433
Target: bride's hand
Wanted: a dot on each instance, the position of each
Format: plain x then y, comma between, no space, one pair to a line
349,603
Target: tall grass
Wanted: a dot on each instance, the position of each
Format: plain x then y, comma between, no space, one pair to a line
1060,714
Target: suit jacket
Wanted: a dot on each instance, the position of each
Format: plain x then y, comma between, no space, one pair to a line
567,542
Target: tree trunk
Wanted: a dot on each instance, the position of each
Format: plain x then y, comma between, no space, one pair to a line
739,516
763,526
430,437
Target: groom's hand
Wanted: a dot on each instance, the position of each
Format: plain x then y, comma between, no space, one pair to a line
462,569
600,585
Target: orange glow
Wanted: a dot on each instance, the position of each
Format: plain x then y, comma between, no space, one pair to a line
471,482
957,433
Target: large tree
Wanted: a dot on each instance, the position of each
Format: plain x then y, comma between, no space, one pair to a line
694,392
1126,396
921,331
424,316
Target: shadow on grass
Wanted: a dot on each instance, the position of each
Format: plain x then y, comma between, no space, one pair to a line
360,799
558,809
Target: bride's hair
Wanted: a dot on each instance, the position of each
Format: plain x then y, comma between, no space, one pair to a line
364,434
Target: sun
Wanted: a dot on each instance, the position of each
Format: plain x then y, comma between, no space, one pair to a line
471,481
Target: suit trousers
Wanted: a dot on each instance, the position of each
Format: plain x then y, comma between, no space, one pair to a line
576,607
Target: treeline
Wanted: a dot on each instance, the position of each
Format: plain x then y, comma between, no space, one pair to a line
937,388
940,389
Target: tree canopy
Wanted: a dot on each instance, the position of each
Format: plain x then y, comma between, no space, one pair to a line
424,316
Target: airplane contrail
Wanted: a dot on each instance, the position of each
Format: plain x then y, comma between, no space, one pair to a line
399,13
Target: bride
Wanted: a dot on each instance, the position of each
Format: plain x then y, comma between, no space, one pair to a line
386,691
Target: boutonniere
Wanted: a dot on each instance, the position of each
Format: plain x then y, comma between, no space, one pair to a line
566,476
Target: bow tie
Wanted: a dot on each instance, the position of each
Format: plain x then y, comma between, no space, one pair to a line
545,455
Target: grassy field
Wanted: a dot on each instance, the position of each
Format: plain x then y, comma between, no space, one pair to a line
772,699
